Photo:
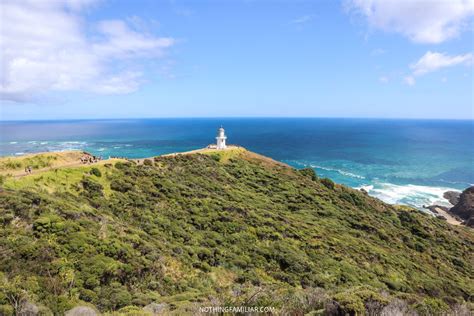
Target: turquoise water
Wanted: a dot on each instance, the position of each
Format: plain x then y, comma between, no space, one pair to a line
400,161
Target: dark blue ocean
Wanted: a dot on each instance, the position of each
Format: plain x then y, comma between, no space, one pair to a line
400,161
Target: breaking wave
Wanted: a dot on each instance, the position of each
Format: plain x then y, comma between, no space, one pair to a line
341,172
410,194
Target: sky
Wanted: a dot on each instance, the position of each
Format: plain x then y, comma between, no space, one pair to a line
76,59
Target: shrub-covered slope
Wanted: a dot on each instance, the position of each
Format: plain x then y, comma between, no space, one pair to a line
200,230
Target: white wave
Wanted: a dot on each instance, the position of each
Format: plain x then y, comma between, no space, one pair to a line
70,145
410,194
13,143
73,143
350,174
367,188
101,149
344,173
19,154
43,143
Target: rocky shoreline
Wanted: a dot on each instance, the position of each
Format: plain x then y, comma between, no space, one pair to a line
462,210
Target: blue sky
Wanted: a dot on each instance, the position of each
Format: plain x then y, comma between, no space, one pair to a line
355,58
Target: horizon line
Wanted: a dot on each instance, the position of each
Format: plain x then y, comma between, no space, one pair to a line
237,117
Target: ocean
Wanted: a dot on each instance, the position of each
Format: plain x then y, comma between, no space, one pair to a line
399,161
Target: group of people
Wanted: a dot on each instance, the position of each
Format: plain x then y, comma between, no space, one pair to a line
87,159
28,170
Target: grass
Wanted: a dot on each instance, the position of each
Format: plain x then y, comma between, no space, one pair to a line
12,165
62,180
224,155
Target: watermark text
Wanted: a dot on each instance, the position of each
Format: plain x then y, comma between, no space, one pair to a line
236,309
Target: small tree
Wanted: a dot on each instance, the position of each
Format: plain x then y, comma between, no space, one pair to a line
328,183
14,290
96,172
310,173
148,162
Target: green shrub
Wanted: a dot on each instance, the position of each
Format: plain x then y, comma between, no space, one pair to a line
120,185
96,172
201,265
148,162
431,306
328,183
349,304
122,165
133,311
215,157
6,310
88,295
50,223
91,188
310,173
115,296
6,218
12,165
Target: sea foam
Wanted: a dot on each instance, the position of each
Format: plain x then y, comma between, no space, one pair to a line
340,171
410,194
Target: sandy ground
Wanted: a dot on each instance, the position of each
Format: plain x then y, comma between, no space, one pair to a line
449,218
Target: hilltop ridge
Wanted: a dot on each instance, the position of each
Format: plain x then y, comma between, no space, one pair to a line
220,228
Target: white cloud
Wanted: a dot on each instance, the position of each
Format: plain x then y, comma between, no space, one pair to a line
432,61
378,52
302,19
125,82
383,79
409,80
422,21
122,42
44,47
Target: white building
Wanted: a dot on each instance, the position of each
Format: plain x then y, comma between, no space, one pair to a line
221,138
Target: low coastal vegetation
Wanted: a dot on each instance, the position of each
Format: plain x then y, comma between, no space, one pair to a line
13,165
228,228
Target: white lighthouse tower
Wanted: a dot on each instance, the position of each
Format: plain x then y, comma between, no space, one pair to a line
221,138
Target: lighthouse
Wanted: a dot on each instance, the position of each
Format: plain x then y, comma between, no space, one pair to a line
221,138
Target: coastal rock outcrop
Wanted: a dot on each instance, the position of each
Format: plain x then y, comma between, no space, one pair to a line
27,308
155,308
82,311
452,196
465,207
